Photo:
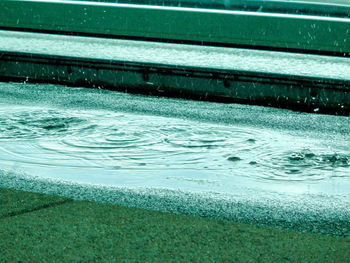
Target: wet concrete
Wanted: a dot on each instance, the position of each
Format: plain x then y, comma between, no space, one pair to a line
318,201
302,82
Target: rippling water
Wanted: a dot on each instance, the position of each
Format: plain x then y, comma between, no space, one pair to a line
119,147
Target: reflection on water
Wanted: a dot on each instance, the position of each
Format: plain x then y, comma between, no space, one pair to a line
136,149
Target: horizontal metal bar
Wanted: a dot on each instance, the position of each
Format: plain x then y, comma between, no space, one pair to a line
335,8
293,32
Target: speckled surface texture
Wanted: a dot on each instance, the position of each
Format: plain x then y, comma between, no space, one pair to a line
177,54
318,214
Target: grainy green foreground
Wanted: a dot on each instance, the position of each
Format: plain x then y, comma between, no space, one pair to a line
42,228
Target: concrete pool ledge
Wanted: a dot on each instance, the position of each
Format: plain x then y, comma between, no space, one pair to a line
311,83
307,213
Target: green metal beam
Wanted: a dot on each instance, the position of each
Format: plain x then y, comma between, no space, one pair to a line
308,33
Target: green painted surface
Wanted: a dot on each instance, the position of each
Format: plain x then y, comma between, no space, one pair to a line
90,232
16,202
297,32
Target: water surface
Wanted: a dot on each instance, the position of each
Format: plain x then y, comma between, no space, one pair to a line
110,138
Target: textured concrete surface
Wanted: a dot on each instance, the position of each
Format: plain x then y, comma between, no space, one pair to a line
180,55
297,81
317,214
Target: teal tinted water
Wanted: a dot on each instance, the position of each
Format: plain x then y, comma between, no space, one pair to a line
110,138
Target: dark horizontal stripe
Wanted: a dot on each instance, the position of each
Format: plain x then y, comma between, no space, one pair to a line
306,94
